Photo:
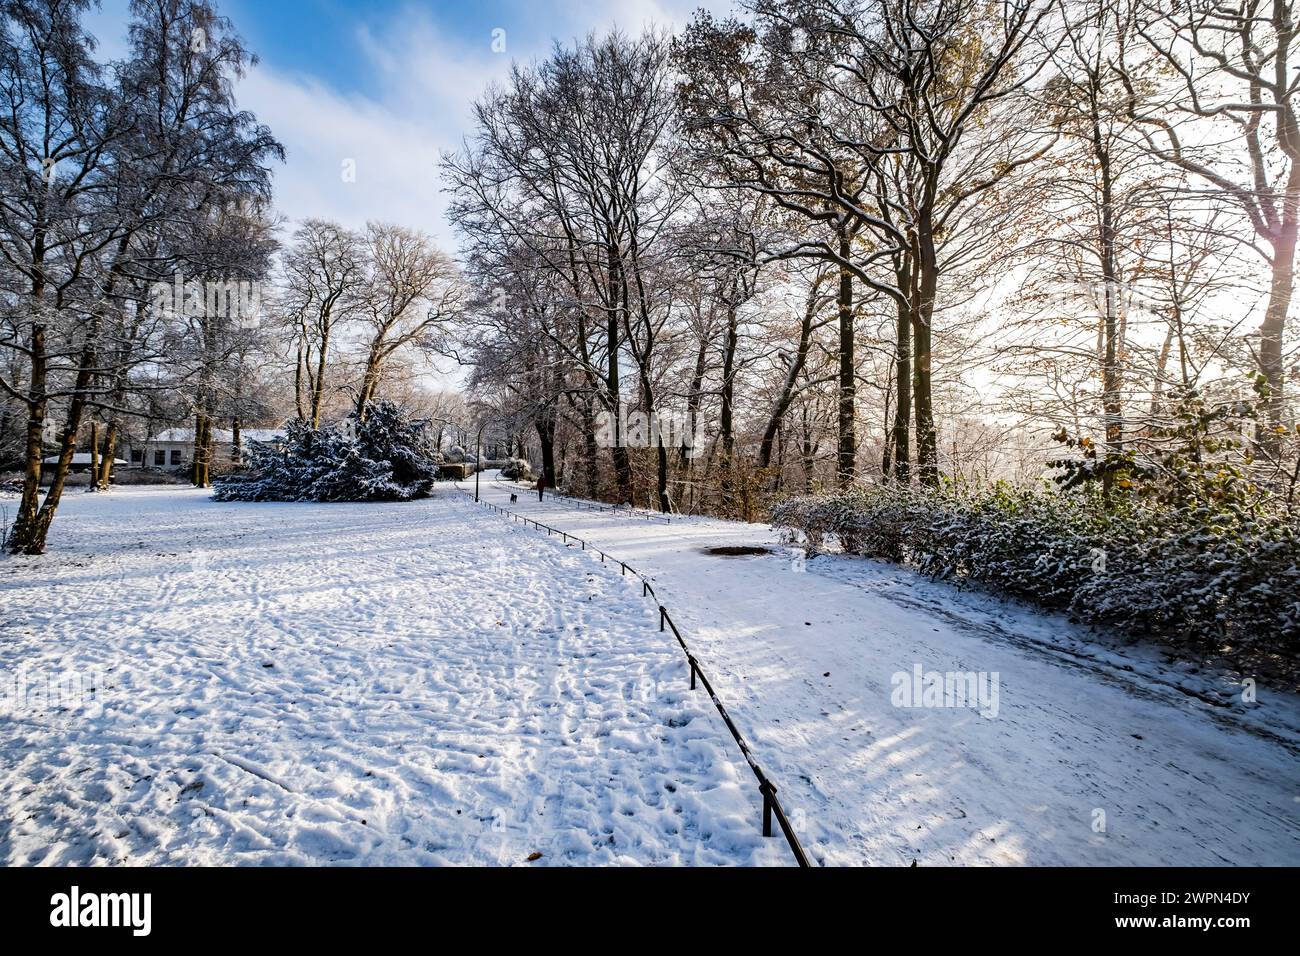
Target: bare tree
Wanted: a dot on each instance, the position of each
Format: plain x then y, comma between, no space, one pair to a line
410,293
324,269
1220,103
757,104
569,159
57,125
93,170
858,114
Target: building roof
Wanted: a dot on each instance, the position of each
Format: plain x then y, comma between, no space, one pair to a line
185,436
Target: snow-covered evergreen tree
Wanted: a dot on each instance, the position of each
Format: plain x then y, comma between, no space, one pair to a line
387,456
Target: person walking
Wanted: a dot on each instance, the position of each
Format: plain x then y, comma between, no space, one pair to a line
541,485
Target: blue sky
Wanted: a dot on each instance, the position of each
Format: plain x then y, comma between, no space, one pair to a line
387,85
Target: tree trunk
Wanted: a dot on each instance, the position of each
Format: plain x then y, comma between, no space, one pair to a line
318,386
1111,400
807,453
37,405
106,464
545,426
791,378
593,455
297,384
196,446
93,483
202,451
34,540
614,397
726,436
686,455
35,543
665,501
369,382
903,408
848,447
927,276
209,445
1268,440
32,525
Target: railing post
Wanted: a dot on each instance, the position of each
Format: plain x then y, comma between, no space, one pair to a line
692,673
767,790
662,612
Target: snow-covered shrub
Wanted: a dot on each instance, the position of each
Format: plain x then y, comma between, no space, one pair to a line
517,469
387,457
1209,576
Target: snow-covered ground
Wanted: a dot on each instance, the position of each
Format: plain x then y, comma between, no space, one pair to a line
1096,755
193,682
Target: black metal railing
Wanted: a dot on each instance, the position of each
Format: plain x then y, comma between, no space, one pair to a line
588,505
771,805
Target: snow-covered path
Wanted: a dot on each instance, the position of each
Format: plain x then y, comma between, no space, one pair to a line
1094,757
194,682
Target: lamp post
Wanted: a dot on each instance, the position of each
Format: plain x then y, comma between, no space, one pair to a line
478,452
478,445
478,457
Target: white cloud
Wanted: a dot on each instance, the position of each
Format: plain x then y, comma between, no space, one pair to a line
425,84
394,138
395,157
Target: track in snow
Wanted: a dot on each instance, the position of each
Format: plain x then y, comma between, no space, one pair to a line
370,684
1084,734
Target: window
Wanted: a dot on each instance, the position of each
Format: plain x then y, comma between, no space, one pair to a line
137,456
159,458
176,456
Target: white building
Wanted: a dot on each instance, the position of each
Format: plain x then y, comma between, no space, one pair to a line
174,447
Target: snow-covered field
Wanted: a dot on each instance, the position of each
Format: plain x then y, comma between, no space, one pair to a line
193,682
203,683
1097,755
